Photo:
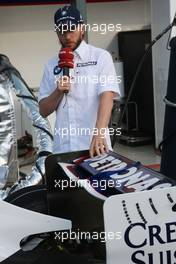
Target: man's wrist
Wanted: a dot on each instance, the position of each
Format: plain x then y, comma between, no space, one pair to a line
101,131
59,92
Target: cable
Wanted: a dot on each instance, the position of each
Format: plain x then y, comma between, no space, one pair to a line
148,50
43,129
27,97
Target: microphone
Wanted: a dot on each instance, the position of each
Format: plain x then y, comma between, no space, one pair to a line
66,61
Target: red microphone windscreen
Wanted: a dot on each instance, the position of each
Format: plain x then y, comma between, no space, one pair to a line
66,58
66,63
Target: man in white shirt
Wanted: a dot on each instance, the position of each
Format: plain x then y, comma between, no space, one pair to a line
82,116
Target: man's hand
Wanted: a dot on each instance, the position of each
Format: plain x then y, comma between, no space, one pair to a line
63,84
98,146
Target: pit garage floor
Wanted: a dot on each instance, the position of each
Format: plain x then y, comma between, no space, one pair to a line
145,154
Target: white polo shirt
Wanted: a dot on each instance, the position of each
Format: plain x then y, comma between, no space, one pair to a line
76,116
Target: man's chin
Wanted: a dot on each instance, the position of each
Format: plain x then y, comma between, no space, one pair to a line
71,46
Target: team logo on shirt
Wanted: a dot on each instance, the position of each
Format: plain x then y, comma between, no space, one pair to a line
57,70
84,64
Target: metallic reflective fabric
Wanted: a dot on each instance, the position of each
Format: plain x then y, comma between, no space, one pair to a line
10,80
8,141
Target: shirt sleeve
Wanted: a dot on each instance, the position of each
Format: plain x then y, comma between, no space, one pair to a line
108,79
47,84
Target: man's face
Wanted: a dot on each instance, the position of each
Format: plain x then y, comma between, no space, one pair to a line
71,38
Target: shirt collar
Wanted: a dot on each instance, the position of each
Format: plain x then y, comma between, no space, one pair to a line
81,50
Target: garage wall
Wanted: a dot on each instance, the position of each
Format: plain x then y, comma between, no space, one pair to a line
131,14
27,37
